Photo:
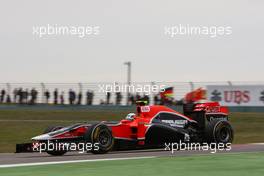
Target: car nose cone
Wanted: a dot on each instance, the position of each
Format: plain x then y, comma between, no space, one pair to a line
41,137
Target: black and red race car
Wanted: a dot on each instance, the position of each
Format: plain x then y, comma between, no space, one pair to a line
151,126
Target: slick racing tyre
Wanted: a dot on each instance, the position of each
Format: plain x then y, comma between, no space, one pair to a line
54,152
101,138
219,131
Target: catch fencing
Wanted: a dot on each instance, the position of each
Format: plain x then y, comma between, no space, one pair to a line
180,89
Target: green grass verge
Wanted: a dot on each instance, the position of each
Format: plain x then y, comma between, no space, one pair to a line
226,164
18,126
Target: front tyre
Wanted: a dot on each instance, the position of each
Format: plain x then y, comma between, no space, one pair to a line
101,138
54,152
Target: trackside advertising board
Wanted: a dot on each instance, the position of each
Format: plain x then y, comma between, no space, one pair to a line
244,95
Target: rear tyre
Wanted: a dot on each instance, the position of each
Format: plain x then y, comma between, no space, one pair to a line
219,131
54,152
101,138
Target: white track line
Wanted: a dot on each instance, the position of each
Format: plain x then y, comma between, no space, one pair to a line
71,161
257,143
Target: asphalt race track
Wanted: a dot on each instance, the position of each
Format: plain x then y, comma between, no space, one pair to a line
18,158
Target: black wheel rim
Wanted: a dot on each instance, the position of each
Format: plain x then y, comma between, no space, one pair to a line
104,138
224,134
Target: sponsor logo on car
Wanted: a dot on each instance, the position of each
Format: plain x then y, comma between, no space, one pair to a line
145,109
175,122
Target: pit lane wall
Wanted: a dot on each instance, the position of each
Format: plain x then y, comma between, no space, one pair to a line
111,108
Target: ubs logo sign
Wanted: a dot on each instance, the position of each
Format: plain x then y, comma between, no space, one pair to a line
232,96
216,96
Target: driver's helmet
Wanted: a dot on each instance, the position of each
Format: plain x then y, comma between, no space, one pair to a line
130,116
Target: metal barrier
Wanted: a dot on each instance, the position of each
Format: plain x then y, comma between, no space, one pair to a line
99,97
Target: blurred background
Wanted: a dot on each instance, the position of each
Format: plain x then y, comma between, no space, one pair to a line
131,31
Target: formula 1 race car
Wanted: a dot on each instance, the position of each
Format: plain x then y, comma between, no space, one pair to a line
151,126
